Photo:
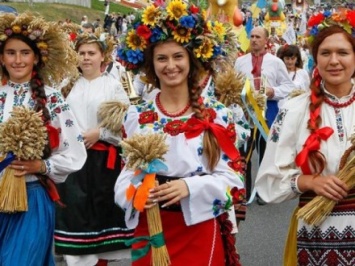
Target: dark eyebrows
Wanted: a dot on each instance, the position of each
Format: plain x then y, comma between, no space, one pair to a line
14,50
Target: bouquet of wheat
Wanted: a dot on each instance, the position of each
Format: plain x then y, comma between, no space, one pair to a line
111,115
315,211
144,155
23,136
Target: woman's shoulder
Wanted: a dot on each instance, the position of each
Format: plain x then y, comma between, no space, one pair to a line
297,103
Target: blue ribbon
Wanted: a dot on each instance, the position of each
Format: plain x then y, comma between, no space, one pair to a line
6,162
153,167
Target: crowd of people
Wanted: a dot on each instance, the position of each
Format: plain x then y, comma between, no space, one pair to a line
173,72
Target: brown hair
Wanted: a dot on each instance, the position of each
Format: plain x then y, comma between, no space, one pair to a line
36,85
289,51
316,158
211,148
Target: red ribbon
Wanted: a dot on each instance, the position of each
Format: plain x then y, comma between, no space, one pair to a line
312,144
194,127
112,153
53,136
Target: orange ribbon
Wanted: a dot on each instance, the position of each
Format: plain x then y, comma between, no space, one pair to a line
194,127
112,153
312,144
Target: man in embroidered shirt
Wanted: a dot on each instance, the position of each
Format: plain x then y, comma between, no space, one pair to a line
255,65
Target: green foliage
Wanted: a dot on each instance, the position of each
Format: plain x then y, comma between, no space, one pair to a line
56,12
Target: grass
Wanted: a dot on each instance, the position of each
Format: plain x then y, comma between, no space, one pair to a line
56,12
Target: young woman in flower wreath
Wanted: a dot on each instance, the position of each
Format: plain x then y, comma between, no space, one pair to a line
33,53
307,141
91,229
204,169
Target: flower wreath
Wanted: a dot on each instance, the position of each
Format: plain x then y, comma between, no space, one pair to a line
185,24
344,18
57,58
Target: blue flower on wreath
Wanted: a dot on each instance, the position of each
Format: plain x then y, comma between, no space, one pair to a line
157,35
187,22
121,53
135,56
327,13
314,30
217,50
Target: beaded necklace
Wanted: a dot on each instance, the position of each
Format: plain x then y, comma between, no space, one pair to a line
339,105
165,112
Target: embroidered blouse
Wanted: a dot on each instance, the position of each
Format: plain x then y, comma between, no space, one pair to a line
287,137
71,154
208,190
86,97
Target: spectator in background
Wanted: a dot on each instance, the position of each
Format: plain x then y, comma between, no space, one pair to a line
84,20
88,28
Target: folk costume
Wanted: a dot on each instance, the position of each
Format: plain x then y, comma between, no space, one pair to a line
300,79
192,228
92,226
26,238
194,220
286,140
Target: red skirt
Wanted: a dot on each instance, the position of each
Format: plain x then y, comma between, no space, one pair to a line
198,245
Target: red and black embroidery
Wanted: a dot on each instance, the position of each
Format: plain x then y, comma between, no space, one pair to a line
231,132
238,165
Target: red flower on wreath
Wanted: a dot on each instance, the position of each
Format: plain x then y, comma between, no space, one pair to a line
315,20
350,16
231,132
147,117
144,31
174,127
194,9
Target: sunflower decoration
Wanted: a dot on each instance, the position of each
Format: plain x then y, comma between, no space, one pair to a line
174,20
57,59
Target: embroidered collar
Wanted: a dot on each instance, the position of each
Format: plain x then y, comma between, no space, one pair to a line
335,98
17,86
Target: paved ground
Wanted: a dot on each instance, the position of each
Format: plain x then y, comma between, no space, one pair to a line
261,237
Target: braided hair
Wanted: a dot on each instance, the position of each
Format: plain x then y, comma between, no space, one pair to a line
36,85
211,148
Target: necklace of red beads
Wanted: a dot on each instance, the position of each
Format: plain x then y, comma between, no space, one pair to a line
165,112
340,105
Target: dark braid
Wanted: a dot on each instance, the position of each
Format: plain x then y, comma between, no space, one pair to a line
316,158
39,95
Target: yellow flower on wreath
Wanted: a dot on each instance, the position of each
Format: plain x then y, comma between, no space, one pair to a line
150,16
219,30
181,35
205,50
42,45
16,29
176,9
134,41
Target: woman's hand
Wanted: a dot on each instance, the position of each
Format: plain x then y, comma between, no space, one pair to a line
172,192
91,137
26,167
330,187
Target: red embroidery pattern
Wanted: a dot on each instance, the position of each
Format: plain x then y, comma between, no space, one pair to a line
147,117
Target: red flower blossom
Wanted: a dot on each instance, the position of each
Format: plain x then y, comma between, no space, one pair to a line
238,166
57,110
194,9
210,114
350,16
147,117
54,99
231,132
144,31
238,195
174,128
315,20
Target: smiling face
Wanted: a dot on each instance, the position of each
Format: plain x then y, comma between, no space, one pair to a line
91,58
171,65
336,62
18,59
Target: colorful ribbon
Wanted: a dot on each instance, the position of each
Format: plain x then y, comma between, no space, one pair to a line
7,161
194,127
312,144
53,136
155,241
257,115
139,193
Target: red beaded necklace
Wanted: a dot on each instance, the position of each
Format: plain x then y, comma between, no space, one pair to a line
173,115
340,105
